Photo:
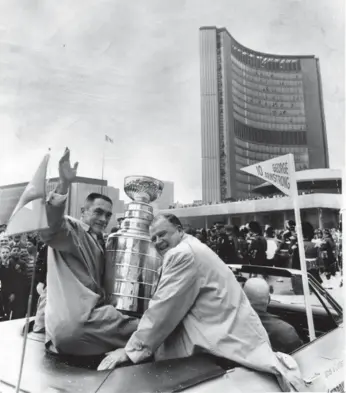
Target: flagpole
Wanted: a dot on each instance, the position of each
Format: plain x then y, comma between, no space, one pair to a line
301,250
103,162
27,321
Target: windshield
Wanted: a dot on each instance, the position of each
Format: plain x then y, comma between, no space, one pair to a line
288,290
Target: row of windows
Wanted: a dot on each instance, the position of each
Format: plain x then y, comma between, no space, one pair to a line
242,176
263,61
268,119
265,148
266,96
243,157
271,111
301,161
240,97
266,81
265,74
268,126
261,135
267,89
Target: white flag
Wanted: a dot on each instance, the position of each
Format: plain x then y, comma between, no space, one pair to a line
278,171
108,139
30,212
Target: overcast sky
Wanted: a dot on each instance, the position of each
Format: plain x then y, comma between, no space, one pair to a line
72,71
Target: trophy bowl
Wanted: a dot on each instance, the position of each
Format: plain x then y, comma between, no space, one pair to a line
143,188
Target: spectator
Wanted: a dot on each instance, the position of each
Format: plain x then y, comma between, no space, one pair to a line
327,248
243,252
272,246
232,233
257,245
312,256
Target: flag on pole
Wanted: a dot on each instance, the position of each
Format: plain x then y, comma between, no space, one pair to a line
108,139
30,212
278,171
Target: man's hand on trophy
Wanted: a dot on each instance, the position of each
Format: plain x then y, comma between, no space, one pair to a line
67,174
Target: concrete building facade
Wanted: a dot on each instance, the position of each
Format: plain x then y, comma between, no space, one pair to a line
254,107
320,201
79,190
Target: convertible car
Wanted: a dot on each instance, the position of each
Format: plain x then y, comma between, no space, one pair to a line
320,360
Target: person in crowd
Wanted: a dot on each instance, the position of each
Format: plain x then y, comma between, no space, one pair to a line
223,245
41,269
77,320
312,256
272,246
327,249
4,241
283,336
19,241
31,246
282,252
212,240
318,237
28,261
204,234
201,237
6,280
5,252
198,307
40,286
257,245
18,282
232,233
190,231
15,255
243,250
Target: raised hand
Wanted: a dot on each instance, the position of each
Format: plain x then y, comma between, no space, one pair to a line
67,174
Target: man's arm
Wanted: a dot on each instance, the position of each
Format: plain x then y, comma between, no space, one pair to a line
59,234
176,293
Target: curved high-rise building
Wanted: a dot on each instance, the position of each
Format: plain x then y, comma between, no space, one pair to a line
255,106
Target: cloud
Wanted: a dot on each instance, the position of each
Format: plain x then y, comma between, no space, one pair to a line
73,71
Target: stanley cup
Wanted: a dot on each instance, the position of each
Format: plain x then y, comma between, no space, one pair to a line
132,262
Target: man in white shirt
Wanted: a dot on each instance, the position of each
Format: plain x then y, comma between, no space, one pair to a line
198,307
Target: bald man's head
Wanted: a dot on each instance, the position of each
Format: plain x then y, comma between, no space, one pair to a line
257,291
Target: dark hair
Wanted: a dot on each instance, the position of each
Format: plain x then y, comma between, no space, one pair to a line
243,231
255,227
174,220
270,231
234,229
308,230
290,224
32,240
190,231
94,195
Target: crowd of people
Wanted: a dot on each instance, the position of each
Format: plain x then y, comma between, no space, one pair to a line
17,256
198,305
249,244
249,198
252,244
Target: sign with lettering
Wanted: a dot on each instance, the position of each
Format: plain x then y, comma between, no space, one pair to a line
278,171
